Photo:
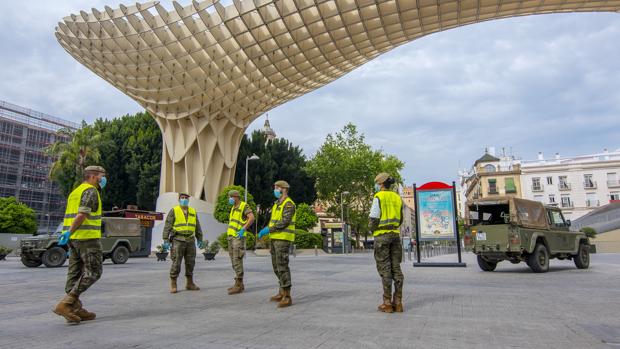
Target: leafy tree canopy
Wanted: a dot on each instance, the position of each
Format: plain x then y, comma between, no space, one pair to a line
16,217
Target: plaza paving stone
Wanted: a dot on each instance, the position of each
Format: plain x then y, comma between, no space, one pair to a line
335,299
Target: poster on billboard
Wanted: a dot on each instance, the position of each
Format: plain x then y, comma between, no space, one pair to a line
436,214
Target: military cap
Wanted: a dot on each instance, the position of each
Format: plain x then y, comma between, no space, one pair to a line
183,193
233,192
282,184
382,177
94,169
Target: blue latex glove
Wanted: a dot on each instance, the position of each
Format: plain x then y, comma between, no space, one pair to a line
201,244
240,232
64,238
263,232
166,246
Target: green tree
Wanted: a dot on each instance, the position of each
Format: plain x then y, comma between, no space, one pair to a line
131,152
279,159
222,207
73,151
306,218
590,232
346,163
16,217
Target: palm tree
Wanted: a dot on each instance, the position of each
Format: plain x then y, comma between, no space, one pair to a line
73,151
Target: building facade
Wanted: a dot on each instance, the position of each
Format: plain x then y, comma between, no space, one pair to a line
577,184
491,177
24,165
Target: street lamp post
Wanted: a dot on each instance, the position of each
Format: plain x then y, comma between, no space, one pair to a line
344,234
247,159
245,196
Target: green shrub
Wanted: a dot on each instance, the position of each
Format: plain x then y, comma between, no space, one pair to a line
5,250
590,232
213,247
304,239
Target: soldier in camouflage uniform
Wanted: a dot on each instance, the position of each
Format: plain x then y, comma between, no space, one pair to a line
281,232
82,231
181,232
386,216
239,220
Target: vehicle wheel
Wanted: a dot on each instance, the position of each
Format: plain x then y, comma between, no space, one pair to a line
120,255
582,259
539,260
54,257
31,262
486,265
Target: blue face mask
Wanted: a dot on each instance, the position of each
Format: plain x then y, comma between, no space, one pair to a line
377,187
231,201
184,202
277,193
102,182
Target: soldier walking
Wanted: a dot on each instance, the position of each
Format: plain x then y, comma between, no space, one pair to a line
182,231
82,230
239,220
386,216
281,230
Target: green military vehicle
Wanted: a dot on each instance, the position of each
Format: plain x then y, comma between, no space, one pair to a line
519,230
119,238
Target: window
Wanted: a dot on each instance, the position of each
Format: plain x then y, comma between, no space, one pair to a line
489,168
566,203
536,186
492,186
563,183
552,199
591,200
588,182
612,180
550,180
510,185
556,218
614,196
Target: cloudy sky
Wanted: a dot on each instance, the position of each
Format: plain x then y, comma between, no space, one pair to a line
541,83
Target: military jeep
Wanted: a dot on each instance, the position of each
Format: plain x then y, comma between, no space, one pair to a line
119,238
519,230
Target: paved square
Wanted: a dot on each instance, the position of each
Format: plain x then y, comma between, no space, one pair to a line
335,299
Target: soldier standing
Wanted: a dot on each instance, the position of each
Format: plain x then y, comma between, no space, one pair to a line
281,230
239,220
182,230
82,230
386,216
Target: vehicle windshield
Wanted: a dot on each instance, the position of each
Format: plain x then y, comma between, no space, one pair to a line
489,214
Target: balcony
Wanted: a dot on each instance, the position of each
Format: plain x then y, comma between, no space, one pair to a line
563,186
567,205
493,192
589,185
613,183
537,188
592,203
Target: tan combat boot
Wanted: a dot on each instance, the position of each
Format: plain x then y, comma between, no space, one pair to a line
397,303
173,285
286,300
190,285
84,314
237,288
386,307
277,297
65,308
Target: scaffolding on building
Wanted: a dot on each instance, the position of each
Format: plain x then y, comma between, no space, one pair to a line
25,134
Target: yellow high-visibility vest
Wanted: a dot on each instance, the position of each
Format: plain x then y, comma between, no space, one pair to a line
91,226
235,219
287,233
184,227
391,209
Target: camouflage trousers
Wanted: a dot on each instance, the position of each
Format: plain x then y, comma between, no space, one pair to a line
279,261
389,255
85,265
236,253
182,250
